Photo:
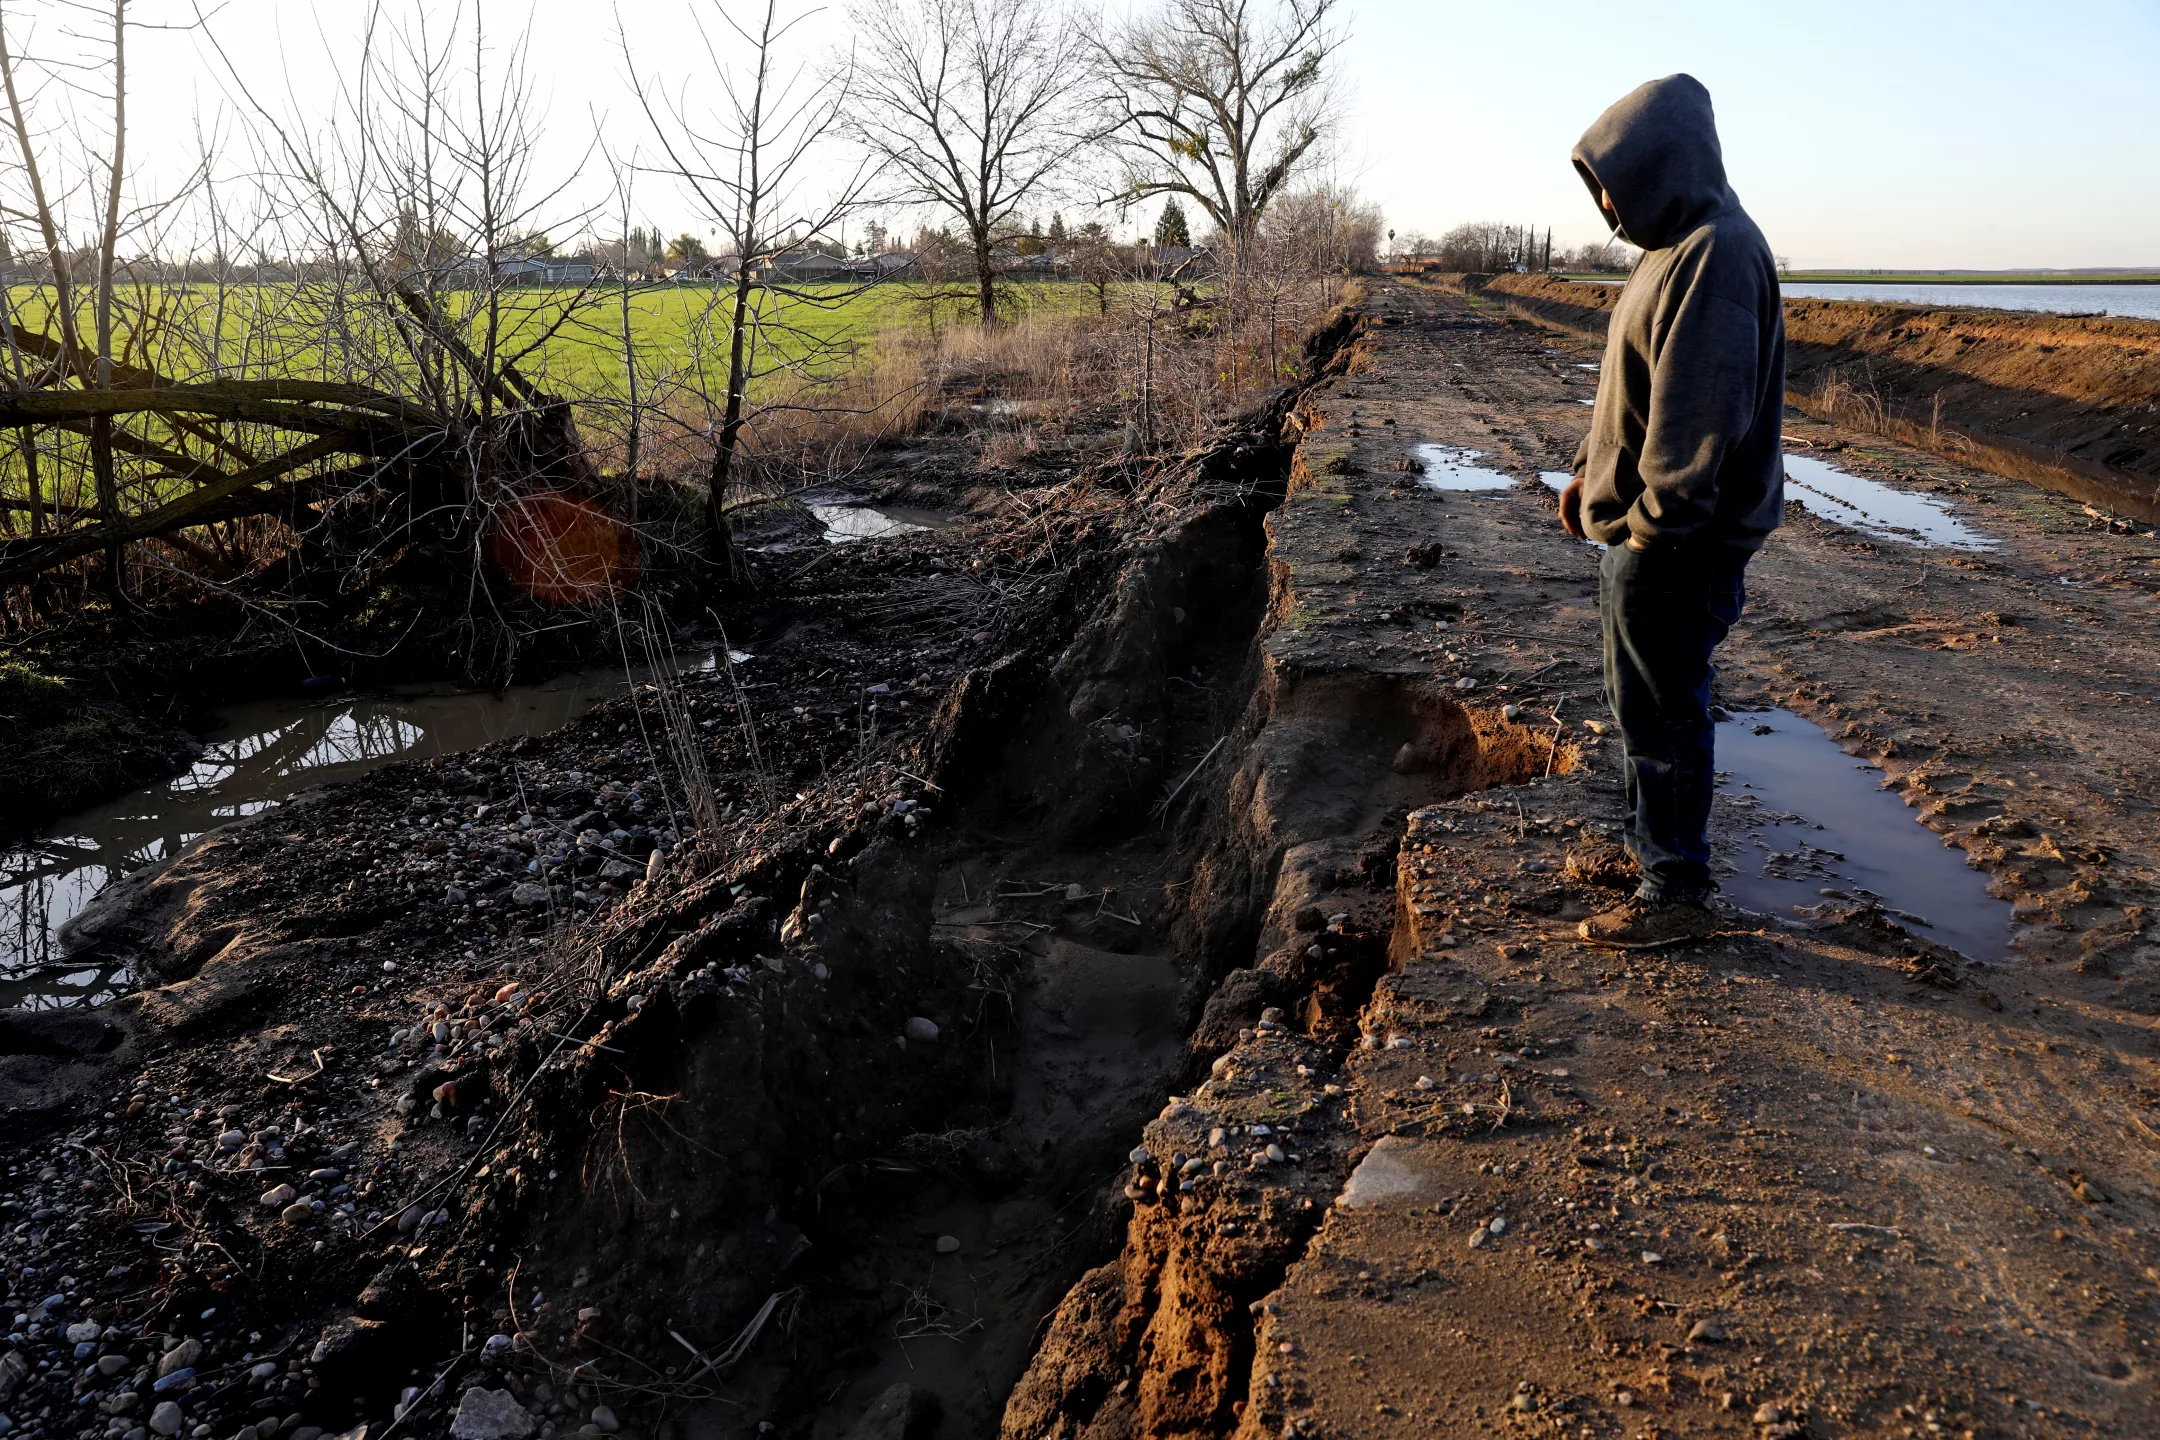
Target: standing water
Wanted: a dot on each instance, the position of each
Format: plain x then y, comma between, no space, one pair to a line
1876,509
1802,822
263,752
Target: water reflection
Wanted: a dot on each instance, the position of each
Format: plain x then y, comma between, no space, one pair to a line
1801,822
1451,467
1876,509
875,522
262,753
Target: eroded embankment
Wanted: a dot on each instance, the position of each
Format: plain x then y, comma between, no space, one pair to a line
1815,1176
2070,403
806,1120
1295,896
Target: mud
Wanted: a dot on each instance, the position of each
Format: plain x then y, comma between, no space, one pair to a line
1272,781
1825,1174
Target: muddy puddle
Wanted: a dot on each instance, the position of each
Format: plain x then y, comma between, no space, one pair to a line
1801,823
844,522
1453,468
263,752
1876,509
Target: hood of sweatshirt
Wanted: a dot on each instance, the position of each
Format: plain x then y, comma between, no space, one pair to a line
1656,153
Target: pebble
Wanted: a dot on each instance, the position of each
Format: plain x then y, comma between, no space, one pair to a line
1768,1414
166,1419
1466,683
1651,1257
1497,1225
921,1028
1708,1331
111,1365
605,1419
280,1195
184,1355
298,1213
83,1330
490,1415
948,1244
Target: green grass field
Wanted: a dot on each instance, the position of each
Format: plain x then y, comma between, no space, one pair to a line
569,343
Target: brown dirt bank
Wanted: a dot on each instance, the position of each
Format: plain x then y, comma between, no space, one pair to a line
1818,1177
2071,403
826,1097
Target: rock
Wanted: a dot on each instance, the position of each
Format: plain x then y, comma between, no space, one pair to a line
83,1330
948,1244
490,1415
183,1355
529,895
263,1371
279,1196
1651,1257
111,1365
902,1412
497,1350
1479,1236
653,865
1707,1331
179,1380
298,1213
166,1419
605,1419
1466,683
921,1028
1768,1414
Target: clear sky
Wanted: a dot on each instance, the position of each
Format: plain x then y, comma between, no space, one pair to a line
1880,134
1888,133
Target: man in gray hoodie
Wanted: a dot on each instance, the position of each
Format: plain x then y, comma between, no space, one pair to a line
1681,475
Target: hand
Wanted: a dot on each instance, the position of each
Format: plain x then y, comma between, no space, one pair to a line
1571,509
1637,545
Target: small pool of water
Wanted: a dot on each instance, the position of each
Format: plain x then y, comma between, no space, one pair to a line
262,752
874,522
1876,509
1802,823
1451,467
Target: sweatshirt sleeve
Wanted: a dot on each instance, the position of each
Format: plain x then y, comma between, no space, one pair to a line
1582,456
1702,403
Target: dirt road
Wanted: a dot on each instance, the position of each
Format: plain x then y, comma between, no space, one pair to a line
1822,1175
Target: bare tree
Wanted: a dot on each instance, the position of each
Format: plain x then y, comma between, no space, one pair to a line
972,103
747,167
1220,100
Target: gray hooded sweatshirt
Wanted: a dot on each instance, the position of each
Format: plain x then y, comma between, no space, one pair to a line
1684,442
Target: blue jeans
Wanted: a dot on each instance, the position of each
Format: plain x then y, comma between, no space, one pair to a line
1664,611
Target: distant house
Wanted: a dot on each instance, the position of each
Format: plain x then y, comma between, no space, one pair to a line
887,265
802,267
543,270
